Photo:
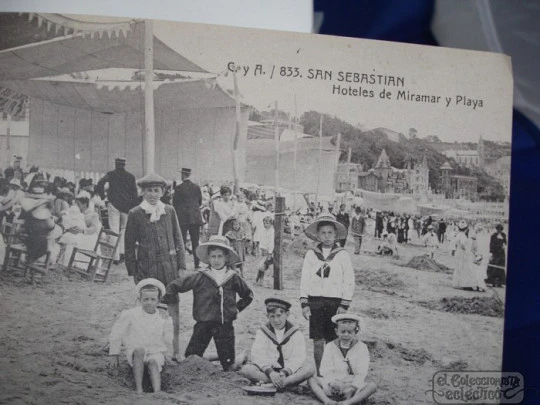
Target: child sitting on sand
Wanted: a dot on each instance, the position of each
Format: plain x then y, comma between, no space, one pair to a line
214,299
344,366
142,331
278,353
385,247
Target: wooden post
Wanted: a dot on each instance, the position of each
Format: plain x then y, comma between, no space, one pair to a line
149,133
8,133
276,138
279,221
349,169
236,135
338,150
295,157
320,161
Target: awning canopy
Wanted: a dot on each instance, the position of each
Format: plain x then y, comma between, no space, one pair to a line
117,98
119,46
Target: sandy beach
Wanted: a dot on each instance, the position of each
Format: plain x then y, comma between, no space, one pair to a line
53,335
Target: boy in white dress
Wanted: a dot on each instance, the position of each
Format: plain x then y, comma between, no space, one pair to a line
344,366
142,332
278,354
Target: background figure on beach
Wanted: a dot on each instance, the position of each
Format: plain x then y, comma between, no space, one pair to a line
343,218
187,202
497,248
225,210
358,226
466,275
122,196
441,230
379,225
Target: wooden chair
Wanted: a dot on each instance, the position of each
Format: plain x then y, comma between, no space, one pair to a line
40,266
14,235
96,263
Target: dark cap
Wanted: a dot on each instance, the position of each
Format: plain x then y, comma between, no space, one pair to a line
277,303
151,180
120,160
185,170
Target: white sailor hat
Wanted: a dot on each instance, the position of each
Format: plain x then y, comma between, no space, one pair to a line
346,317
150,281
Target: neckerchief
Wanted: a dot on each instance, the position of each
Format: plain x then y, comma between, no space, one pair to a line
290,330
345,358
324,270
155,211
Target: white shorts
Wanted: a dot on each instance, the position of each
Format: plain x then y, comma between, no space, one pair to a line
159,358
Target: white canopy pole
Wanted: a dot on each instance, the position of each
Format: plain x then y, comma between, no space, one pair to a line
149,133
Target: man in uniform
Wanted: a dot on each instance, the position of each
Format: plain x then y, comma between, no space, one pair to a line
122,195
187,201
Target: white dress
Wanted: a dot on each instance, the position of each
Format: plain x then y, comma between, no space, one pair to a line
466,273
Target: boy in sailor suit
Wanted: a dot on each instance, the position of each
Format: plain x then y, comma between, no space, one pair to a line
214,299
344,366
278,354
327,281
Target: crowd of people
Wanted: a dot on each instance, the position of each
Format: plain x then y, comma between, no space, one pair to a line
155,219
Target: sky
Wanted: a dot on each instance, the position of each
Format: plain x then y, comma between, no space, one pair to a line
478,84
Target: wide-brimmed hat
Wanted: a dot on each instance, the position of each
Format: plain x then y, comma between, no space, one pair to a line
150,281
83,194
312,233
217,241
152,180
15,182
462,225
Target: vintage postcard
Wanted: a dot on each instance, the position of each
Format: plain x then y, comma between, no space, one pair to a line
338,208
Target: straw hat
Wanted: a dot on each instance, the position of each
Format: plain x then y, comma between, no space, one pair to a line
16,183
150,281
312,233
218,241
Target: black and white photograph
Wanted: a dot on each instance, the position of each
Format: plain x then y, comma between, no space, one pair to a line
203,214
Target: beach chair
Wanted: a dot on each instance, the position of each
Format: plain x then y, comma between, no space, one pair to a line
40,266
95,264
13,234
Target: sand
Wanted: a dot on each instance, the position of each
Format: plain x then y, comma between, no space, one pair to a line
52,335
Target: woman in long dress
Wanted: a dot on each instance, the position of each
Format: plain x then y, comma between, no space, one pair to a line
466,274
80,234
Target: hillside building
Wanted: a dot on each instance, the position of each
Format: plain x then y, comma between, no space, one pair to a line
457,186
384,178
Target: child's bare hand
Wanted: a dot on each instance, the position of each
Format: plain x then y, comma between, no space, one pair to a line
306,311
277,379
